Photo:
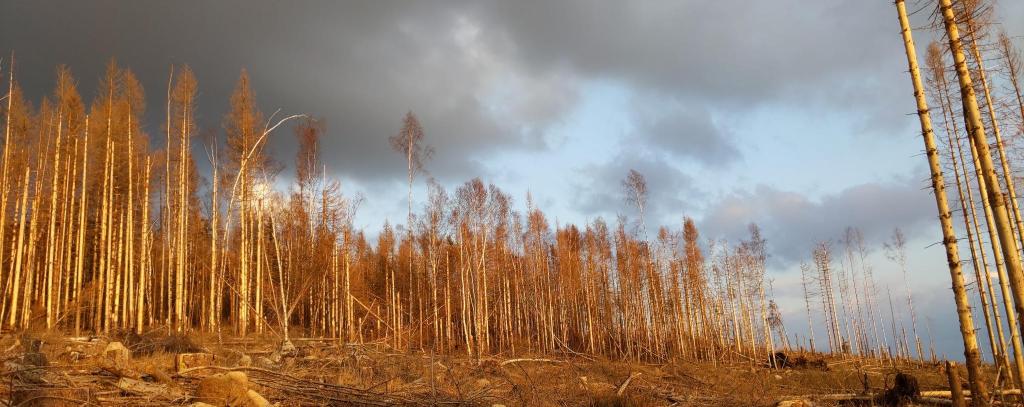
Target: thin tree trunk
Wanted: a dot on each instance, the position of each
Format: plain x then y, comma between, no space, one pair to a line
977,382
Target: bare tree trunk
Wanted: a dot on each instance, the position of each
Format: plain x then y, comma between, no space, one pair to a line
17,265
213,320
805,275
144,269
967,202
978,387
976,129
974,32
51,244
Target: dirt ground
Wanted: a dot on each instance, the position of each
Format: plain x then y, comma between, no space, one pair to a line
53,370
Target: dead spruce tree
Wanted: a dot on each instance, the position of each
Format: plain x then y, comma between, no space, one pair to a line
940,91
976,131
973,362
806,276
976,15
896,251
106,227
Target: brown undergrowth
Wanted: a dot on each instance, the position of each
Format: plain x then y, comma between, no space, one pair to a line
53,370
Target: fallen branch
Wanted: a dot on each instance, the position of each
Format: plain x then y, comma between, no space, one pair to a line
622,388
150,390
315,392
510,361
936,401
948,393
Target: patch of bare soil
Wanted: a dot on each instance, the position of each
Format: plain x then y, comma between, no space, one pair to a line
140,370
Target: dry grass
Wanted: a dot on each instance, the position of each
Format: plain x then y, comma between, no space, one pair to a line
329,372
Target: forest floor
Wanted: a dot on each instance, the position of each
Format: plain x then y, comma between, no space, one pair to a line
53,370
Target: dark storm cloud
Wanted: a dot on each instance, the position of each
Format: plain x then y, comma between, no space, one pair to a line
489,75
482,76
732,51
359,66
793,223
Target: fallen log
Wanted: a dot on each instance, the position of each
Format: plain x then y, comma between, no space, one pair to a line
947,393
622,388
935,401
510,361
150,390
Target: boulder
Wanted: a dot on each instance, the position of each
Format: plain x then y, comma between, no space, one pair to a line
223,389
238,377
117,360
116,352
254,399
229,389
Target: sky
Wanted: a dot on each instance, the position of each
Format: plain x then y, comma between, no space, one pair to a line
795,115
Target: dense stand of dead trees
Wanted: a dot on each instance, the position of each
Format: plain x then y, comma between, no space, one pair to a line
840,289
104,227
968,69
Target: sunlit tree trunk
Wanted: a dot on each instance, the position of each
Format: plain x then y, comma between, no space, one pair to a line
938,72
977,382
51,234
974,32
214,306
19,253
145,268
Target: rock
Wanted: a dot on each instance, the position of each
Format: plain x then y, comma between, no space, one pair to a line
185,361
230,389
117,360
777,377
238,377
254,399
116,352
